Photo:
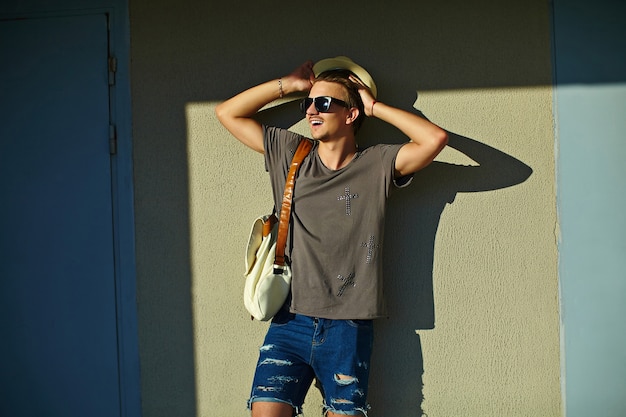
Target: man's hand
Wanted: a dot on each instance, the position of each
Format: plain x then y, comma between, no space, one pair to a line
366,95
300,80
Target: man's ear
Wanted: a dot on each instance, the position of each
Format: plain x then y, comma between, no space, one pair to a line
353,114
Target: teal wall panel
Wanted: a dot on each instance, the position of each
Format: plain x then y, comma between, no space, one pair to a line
590,109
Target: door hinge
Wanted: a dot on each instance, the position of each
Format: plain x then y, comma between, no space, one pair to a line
112,140
112,69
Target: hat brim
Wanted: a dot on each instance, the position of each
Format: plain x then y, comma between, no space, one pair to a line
343,62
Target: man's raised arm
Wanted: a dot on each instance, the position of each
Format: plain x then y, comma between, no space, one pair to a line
236,113
426,138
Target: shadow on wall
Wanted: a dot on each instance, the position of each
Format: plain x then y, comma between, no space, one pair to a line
397,363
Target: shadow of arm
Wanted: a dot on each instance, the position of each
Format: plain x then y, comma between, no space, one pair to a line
496,169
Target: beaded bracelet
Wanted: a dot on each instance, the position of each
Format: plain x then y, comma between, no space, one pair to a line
280,88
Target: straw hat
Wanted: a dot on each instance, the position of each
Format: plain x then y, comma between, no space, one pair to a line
343,62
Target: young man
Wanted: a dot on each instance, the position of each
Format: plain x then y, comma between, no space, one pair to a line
335,247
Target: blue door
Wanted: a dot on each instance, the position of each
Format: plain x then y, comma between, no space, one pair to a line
58,338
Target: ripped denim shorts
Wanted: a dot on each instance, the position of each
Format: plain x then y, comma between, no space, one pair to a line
299,348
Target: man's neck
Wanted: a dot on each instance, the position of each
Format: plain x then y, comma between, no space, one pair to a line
337,154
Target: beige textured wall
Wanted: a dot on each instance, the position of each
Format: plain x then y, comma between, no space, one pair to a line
471,247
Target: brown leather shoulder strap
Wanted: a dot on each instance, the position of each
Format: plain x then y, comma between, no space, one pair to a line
304,147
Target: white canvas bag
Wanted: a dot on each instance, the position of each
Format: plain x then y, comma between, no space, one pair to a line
268,276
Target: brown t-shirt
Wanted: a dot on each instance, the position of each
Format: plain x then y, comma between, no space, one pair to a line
335,242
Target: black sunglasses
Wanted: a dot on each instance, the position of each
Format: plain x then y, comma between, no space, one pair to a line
322,103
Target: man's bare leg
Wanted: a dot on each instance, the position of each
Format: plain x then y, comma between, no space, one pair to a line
271,409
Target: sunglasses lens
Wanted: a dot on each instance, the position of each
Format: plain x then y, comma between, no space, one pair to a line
305,104
322,104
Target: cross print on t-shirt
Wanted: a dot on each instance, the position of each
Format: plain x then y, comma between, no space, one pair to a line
370,245
346,282
348,197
